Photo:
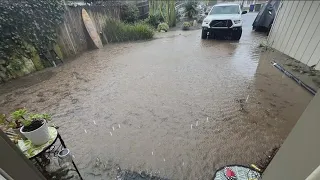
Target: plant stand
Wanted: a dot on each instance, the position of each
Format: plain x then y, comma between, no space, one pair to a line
43,154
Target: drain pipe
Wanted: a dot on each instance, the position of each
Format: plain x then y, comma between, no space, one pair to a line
308,88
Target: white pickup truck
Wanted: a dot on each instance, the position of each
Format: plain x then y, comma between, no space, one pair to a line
222,20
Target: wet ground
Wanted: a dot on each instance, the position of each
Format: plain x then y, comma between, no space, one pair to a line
177,106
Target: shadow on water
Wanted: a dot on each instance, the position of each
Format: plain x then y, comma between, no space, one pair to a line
26,81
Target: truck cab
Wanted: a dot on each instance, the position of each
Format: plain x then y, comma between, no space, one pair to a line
222,20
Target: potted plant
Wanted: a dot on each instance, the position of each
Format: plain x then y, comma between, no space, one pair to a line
186,26
34,127
7,124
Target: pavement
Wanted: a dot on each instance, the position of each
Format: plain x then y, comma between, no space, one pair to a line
177,107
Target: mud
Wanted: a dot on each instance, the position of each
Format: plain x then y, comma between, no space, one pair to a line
306,74
177,106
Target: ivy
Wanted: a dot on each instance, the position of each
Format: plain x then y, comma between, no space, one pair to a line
31,22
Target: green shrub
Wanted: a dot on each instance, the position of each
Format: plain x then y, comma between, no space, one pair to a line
163,26
129,13
154,20
186,26
117,31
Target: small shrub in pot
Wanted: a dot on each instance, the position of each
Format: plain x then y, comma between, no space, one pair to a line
163,27
35,127
186,26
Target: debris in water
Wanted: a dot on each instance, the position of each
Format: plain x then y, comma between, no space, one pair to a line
191,126
111,133
265,161
112,128
119,126
142,175
85,131
197,123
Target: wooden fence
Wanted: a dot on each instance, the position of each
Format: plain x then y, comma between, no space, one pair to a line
73,37
143,7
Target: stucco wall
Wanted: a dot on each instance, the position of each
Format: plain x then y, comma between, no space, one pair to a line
296,31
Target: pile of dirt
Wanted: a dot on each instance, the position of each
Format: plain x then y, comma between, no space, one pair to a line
301,68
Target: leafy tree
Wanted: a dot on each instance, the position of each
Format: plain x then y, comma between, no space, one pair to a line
190,9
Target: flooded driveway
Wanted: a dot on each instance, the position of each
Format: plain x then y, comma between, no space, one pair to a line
176,106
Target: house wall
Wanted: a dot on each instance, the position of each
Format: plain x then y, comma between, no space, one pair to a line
296,31
299,156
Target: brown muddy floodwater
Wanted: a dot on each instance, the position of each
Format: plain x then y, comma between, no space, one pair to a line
177,106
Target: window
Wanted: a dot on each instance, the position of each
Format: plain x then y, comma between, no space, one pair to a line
233,9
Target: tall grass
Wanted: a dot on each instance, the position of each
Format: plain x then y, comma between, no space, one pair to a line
117,31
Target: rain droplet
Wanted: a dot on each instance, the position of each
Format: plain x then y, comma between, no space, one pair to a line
73,156
191,126
111,133
164,159
197,123
112,128
152,153
85,131
182,163
247,98
119,126
94,122
207,119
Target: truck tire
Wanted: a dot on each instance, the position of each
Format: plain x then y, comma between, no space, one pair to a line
236,35
204,34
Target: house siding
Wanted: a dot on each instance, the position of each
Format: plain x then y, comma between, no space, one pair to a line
296,31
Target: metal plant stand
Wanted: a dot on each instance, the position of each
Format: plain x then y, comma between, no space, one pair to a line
43,154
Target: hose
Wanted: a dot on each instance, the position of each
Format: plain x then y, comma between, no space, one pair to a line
308,88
